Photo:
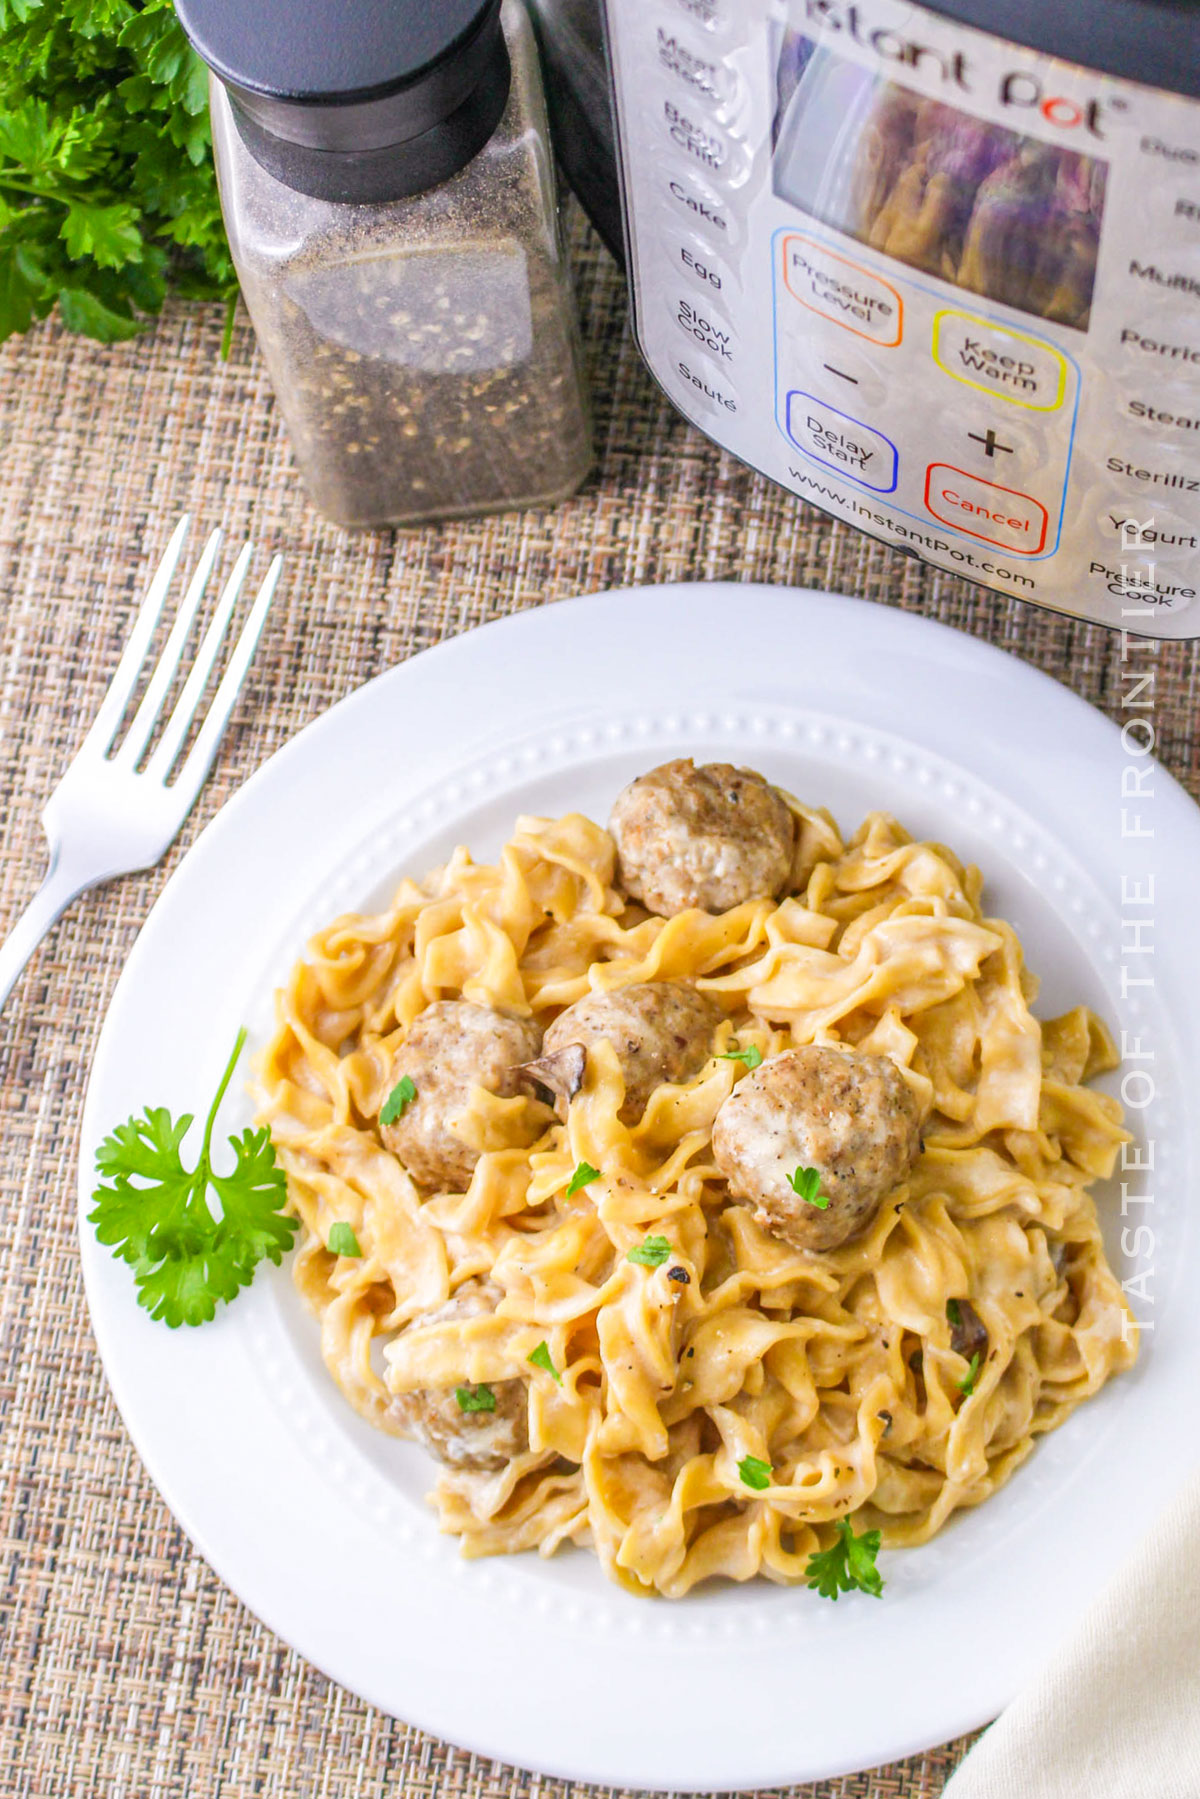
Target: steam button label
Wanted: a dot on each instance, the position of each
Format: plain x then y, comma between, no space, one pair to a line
1013,366
1012,520
840,442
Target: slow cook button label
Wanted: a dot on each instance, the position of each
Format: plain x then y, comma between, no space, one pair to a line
841,290
1010,364
1003,516
705,327
840,442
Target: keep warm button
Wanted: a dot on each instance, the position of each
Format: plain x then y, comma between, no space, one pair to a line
838,441
1014,521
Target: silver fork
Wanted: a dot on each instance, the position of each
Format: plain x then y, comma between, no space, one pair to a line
107,817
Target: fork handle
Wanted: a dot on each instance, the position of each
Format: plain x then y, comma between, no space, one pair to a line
61,885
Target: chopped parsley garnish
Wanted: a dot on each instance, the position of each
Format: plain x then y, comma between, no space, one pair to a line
751,1056
475,1399
401,1096
807,1183
849,1562
953,1312
966,1385
342,1241
157,1216
581,1177
651,1252
755,1472
541,1358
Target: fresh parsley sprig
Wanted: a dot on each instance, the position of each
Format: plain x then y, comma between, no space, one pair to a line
651,1252
475,1399
751,1056
849,1562
966,1385
583,1176
156,1214
541,1358
107,196
398,1100
806,1182
754,1472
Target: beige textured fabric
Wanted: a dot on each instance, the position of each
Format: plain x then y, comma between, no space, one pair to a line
126,1669
1117,1711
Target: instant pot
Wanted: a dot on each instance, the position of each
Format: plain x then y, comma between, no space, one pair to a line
935,269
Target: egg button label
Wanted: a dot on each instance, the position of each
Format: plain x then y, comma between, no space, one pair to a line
838,441
841,290
1023,370
1014,521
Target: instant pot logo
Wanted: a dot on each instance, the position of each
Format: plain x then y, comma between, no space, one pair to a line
1021,91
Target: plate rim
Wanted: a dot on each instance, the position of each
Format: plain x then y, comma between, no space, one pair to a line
959,645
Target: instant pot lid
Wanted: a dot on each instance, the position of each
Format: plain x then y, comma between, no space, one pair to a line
1155,41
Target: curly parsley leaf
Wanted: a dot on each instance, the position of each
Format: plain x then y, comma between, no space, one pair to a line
849,1562
966,1385
582,1176
475,1399
754,1472
107,193
157,1215
651,1252
398,1100
342,1240
751,1056
807,1183
541,1358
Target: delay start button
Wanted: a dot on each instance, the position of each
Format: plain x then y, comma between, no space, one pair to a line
837,441
1014,521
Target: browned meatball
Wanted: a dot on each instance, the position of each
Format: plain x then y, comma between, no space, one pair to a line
850,1116
709,837
451,1047
661,1031
466,1439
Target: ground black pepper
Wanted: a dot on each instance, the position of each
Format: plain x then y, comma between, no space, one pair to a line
423,350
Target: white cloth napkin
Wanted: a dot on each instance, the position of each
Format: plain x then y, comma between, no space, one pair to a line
1116,1712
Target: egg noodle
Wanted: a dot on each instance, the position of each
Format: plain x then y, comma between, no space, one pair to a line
837,1369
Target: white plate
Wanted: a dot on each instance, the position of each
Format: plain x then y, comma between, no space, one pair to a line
318,1522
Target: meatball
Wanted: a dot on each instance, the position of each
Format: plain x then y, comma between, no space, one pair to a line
473,1439
850,1116
661,1031
452,1046
709,837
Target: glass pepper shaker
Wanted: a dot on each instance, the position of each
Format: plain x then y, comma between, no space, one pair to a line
387,184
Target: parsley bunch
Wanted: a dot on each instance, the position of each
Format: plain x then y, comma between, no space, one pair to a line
107,196
155,1213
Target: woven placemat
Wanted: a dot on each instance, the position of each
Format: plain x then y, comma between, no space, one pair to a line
127,1669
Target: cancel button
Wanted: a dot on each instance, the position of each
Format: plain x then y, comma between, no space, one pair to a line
1012,520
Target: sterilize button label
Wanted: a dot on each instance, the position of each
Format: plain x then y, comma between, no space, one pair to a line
838,441
1024,370
1001,515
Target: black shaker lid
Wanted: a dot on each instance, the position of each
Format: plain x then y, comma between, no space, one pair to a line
1155,41
357,100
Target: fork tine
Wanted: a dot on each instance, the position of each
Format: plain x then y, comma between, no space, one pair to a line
144,719
200,757
112,706
176,730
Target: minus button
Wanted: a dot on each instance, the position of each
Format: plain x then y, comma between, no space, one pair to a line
842,373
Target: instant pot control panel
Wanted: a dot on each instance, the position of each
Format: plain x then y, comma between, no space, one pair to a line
943,287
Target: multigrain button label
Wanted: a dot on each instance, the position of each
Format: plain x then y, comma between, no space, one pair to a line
842,290
838,441
1010,364
1001,515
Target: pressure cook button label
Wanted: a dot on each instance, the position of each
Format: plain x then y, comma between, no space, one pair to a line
840,442
1023,370
1014,521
